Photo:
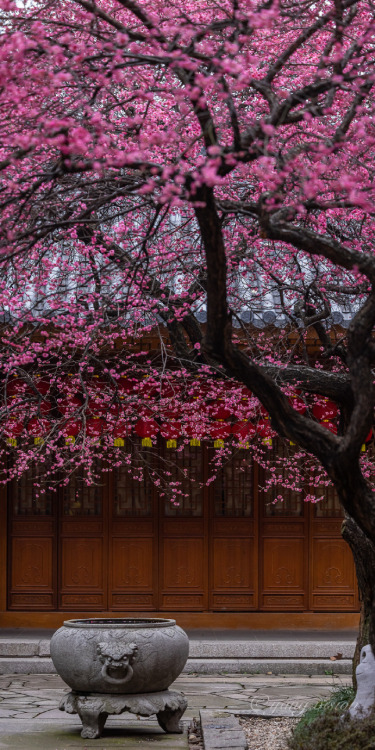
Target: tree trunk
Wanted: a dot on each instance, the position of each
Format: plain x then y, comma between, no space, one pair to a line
364,559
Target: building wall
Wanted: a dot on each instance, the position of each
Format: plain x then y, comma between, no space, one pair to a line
226,548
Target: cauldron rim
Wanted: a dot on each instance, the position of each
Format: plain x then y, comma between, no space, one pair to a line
124,623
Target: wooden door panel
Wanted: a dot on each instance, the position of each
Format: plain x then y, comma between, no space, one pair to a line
32,573
133,542
333,575
32,564
82,564
333,585
283,548
233,602
32,547
183,602
183,564
334,602
232,560
233,550
283,564
82,574
333,568
132,564
83,544
133,602
283,602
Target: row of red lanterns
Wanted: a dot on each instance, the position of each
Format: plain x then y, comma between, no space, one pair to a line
324,411
146,429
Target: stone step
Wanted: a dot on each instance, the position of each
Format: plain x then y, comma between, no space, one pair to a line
268,666
43,665
214,649
30,653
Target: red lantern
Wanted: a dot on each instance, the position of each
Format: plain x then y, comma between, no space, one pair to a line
170,390
38,429
99,397
218,432
266,432
263,411
125,386
243,431
171,431
329,426
69,405
16,387
193,431
97,407
13,429
325,410
367,440
44,407
246,394
95,427
297,403
121,431
146,429
71,429
147,388
218,410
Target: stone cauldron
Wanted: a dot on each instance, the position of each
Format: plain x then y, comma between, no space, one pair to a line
119,656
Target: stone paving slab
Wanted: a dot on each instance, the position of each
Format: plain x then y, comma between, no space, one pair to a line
221,730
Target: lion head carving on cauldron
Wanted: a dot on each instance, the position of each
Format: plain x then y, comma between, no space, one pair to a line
117,660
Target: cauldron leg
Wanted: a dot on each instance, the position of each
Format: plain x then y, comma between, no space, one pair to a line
169,720
92,723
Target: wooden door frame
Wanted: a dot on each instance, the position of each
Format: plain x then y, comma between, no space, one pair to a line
4,535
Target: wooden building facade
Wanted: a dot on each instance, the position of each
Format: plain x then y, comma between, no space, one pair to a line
227,556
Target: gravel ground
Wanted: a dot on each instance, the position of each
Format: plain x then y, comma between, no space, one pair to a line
267,734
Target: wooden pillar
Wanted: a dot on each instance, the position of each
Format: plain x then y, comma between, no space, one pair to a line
3,547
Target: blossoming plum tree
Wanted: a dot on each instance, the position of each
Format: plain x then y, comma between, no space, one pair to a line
161,159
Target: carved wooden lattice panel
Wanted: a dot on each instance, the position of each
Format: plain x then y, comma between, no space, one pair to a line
31,495
329,506
292,500
233,487
132,490
81,499
183,468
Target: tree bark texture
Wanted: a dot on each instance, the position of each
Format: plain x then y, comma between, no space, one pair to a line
364,559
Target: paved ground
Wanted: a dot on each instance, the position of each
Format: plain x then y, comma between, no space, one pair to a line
30,719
